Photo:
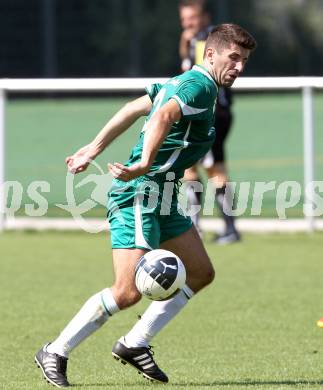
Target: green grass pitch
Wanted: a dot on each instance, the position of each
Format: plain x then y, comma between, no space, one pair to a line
254,328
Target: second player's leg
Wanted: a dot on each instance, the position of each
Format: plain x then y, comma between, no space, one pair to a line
193,193
218,174
214,163
224,199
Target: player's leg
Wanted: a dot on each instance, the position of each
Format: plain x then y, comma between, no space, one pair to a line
126,294
128,349
52,358
189,247
215,165
133,232
144,230
194,196
124,289
224,200
218,173
102,305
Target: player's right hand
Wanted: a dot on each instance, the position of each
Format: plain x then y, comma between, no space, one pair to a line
124,173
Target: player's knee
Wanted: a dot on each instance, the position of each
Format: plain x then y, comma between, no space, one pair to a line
209,275
127,297
132,298
204,278
129,300
191,174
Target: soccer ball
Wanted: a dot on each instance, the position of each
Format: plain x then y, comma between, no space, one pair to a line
160,274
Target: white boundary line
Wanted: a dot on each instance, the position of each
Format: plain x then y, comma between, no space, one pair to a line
255,225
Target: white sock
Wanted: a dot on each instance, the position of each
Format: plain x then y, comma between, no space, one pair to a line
156,317
94,313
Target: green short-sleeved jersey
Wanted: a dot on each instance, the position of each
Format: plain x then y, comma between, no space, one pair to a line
191,137
144,212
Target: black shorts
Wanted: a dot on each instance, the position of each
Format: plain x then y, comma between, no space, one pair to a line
216,154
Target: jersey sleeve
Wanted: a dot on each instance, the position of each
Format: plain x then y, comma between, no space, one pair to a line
196,100
153,90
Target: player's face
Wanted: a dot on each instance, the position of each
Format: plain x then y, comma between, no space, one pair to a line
229,63
193,19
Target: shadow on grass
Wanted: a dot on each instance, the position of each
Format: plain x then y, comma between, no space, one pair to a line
250,383
215,383
148,384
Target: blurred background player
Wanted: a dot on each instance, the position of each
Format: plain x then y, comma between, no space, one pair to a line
195,22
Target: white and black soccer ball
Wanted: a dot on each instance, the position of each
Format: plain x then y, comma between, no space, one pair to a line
160,274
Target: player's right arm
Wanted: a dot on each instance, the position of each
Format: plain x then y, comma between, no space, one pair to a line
156,131
119,123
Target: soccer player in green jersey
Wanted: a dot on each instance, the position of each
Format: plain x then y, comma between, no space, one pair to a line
177,133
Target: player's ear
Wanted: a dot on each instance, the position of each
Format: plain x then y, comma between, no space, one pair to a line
209,55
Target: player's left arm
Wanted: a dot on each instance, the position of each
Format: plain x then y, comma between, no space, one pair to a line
156,130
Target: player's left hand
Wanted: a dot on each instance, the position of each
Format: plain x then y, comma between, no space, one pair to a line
121,172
